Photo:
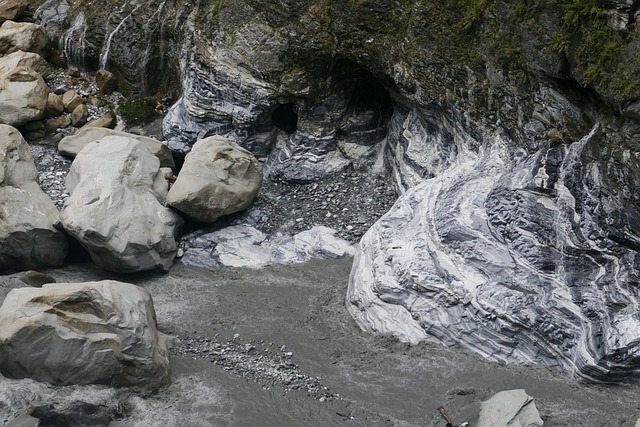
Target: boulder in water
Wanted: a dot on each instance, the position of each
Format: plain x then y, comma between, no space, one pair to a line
509,408
83,333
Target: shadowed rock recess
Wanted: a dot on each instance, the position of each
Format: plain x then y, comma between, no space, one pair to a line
510,129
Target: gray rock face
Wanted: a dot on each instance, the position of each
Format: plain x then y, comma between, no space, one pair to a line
218,178
245,246
73,144
28,218
418,150
86,333
115,208
509,408
519,260
225,93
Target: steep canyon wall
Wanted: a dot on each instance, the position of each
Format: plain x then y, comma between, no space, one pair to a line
511,129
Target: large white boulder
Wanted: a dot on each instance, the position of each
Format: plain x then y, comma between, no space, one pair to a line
25,36
28,218
115,206
23,96
218,178
83,333
71,145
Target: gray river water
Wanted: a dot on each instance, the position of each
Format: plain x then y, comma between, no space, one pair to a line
301,310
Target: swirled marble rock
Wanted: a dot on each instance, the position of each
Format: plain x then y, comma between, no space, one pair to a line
520,258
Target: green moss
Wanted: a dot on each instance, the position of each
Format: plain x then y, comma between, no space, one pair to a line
137,111
471,10
215,8
595,49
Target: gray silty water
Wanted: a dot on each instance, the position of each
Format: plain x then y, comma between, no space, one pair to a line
236,324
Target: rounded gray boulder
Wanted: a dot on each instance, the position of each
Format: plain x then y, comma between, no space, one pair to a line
83,333
218,178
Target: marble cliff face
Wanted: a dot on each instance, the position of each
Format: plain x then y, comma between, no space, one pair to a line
511,131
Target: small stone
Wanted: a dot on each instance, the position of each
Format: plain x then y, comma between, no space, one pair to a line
71,100
79,115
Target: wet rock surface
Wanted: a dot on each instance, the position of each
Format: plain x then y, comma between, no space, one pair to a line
87,333
30,234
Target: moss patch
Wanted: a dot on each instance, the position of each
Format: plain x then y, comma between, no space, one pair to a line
137,111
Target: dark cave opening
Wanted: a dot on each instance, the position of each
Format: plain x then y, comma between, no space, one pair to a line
284,117
370,95
369,105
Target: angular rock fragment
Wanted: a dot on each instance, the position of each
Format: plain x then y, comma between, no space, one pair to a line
28,218
12,9
29,60
83,333
115,209
71,100
509,408
23,96
24,36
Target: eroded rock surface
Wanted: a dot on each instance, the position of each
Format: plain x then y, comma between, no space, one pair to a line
24,36
23,95
83,333
518,260
115,209
245,246
12,9
29,237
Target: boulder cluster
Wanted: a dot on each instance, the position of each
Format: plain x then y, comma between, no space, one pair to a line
120,208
